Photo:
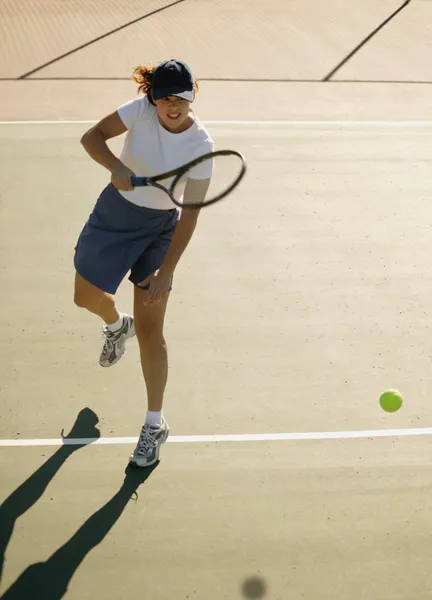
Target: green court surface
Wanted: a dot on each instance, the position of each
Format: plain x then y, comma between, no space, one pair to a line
300,299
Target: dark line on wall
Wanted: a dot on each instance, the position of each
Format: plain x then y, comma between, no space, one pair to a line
97,39
364,42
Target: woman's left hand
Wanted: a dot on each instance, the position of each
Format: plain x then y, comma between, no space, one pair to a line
160,282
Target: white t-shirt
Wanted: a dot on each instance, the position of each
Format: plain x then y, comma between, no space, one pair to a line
149,149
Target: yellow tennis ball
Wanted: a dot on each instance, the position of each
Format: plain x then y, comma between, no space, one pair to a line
391,400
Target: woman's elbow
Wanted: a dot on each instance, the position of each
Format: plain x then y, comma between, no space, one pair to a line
87,137
84,138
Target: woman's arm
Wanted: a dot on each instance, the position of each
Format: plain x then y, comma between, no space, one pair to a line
195,191
179,241
160,281
94,143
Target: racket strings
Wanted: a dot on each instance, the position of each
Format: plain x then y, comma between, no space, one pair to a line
208,181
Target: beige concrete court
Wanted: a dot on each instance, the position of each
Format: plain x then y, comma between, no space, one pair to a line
299,300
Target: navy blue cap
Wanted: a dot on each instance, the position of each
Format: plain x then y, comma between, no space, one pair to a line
173,78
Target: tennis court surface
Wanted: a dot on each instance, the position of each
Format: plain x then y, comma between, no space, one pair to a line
300,299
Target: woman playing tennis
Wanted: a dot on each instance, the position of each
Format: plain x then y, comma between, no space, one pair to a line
139,230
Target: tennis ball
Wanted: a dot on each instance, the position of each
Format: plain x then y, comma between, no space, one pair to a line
391,400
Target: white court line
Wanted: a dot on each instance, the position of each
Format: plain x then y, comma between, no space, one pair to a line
247,437
291,123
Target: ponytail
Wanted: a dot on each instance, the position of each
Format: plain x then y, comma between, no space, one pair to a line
143,75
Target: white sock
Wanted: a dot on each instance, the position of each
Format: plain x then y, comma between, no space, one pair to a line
117,324
154,418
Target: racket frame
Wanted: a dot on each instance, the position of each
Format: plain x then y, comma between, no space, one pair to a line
180,171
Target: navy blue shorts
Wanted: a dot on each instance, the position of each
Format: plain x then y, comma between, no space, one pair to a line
120,237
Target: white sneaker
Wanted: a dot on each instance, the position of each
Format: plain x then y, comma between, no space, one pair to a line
114,346
150,440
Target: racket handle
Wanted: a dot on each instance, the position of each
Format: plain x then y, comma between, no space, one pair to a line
139,181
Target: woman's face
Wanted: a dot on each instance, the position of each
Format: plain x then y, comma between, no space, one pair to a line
173,113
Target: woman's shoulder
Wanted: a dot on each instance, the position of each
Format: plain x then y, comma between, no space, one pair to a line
136,110
202,134
147,109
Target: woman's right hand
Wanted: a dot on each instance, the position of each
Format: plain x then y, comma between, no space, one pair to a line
121,178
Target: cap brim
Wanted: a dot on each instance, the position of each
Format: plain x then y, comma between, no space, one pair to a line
163,93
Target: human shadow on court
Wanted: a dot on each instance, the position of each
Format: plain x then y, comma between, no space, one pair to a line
49,580
29,492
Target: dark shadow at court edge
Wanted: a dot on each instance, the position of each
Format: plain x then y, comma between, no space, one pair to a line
49,580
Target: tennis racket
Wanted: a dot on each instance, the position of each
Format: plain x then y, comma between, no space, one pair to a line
200,182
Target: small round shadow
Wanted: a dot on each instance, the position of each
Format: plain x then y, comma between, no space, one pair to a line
254,587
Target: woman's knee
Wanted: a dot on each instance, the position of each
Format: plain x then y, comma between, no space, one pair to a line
149,331
86,295
149,336
80,298
149,320
151,344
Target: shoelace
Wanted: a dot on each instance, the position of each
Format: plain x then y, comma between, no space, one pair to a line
146,441
109,341
109,344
